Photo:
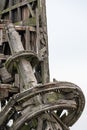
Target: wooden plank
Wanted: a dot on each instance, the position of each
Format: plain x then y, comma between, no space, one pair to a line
0,106
27,37
17,82
25,13
20,27
23,28
19,14
45,63
10,12
1,37
37,31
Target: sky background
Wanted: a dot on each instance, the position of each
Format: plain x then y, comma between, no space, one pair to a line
67,35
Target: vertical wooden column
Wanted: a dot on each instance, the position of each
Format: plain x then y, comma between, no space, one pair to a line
19,14
27,38
10,12
0,106
38,31
45,63
1,36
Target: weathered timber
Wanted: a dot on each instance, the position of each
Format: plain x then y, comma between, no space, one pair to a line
17,5
19,28
32,16
28,101
59,103
23,66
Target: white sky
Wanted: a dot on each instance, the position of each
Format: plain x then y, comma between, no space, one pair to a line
67,31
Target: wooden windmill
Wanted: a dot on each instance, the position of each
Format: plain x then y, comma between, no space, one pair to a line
28,100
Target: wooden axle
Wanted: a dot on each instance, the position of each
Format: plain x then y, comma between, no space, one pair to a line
23,66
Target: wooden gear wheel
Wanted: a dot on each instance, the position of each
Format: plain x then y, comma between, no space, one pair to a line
22,109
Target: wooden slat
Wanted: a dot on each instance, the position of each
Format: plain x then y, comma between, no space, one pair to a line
19,14
23,28
17,80
27,37
20,27
37,31
1,37
10,12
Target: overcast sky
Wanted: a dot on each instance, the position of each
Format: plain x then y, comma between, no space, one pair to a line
67,31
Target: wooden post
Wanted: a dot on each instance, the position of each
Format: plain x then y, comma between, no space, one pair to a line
27,38
19,14
10,12
0,106
38,31
44,40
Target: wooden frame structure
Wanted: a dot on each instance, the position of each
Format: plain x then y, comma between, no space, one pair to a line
27,15
28,101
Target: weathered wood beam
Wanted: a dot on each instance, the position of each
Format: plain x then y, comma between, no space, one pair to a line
10,12
37,31
31,11
19,13
1,37
44,39
19,27
27,38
